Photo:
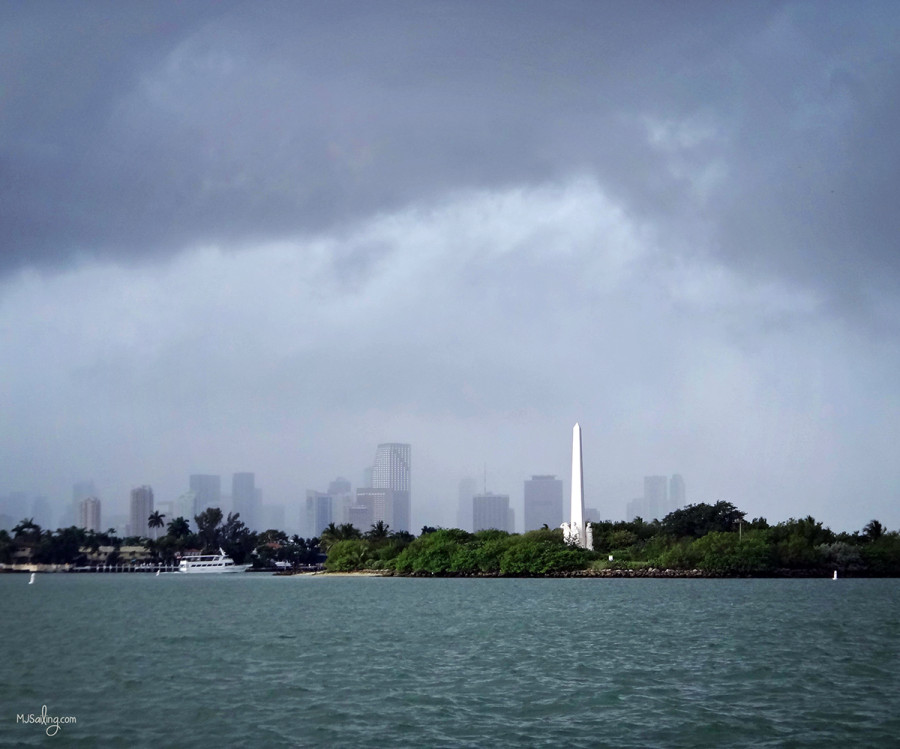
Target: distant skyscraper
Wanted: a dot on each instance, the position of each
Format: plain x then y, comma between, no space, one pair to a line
491,511
661,496
380,506
676,493
208,492
243,498
392,471
360,517
635,509
184,507
80,490
543,502
141,509
342,499
167,510
89,514
656,497
339,486
319,513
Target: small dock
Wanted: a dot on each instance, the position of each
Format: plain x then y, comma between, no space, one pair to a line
124,568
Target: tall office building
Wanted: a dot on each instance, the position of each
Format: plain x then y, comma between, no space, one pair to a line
141,509
543,502
661,496
656,497
392,471
207,492
342,499
380,507
184,506
244,499
339,486
319,513
676,493
491,511
72,512
89,514
360,517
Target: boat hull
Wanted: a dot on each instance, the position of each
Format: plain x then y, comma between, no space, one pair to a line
209,564
213,570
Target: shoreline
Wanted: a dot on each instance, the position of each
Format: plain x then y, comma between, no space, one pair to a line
651,573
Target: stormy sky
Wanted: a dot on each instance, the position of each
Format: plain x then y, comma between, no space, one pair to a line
269,236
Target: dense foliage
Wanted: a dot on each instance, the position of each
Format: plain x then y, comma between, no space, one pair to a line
455,552
711,539
73,546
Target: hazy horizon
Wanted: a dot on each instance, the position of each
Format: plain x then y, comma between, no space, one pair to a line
267,238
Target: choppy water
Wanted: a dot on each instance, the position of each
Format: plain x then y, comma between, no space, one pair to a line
244,660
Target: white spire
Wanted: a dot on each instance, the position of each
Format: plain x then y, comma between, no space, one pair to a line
576,531
576,512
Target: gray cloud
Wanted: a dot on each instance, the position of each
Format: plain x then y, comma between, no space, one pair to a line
763,135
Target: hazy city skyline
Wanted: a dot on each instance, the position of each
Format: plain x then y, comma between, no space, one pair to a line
540,502
268,238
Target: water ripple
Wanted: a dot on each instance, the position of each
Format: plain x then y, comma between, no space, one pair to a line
348,662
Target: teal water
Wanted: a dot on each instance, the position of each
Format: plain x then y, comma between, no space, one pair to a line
246,660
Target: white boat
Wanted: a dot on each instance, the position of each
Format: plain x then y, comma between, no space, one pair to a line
209,564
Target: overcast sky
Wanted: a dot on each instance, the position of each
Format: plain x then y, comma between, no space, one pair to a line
269,236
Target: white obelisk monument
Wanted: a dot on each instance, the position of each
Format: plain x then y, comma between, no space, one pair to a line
576,531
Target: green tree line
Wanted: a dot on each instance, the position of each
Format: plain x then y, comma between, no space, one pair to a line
715,539
77,546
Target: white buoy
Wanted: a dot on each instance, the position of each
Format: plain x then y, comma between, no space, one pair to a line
157,573
835,575
31,579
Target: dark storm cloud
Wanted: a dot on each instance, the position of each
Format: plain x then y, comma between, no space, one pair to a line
760,132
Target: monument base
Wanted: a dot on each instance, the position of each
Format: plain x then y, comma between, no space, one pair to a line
578,535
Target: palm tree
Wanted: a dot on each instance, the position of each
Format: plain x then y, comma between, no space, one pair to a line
379,532
156,521
334,533
92,541
402,537
208,529
179,528
27,530
7,546
873,530
329,536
